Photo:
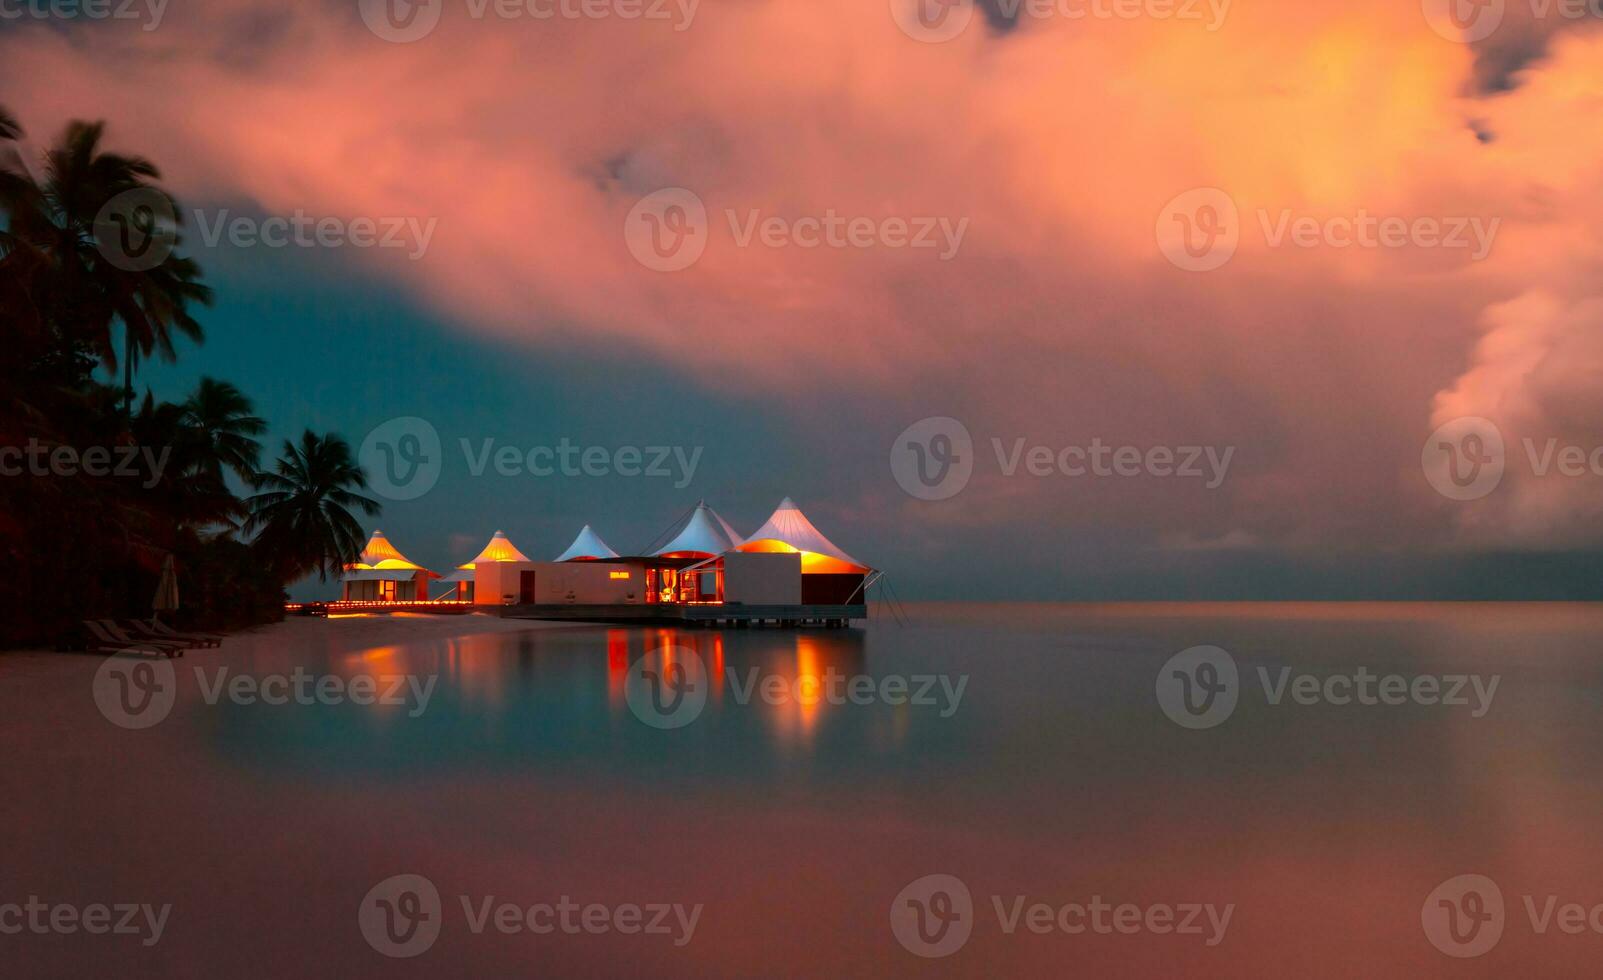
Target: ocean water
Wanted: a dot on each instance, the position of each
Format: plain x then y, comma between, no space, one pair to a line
985,790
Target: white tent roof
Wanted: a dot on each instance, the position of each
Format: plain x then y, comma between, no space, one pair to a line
587,545
789,525
703,533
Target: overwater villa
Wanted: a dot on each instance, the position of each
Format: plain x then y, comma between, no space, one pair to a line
788,571
383,574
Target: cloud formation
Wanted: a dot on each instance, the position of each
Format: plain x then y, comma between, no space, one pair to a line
1058,141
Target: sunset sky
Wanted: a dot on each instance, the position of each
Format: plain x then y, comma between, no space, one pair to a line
1057,145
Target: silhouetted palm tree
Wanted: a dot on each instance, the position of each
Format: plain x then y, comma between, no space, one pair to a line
10,129
77,290
225,424
303,517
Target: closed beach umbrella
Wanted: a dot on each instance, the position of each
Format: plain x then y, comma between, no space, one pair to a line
167,589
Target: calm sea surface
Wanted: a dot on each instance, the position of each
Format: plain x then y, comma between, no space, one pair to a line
784,797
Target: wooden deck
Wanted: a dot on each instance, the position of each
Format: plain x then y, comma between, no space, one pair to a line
730,614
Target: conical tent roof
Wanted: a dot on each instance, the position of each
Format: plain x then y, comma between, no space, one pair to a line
788,529
379,553
705,533
587,545
500,548
381,560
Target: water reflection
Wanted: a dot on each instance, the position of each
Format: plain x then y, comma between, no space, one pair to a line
557,698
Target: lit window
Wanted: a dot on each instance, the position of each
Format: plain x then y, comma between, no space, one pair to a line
617,574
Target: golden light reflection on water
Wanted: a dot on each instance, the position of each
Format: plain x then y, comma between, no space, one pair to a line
794,668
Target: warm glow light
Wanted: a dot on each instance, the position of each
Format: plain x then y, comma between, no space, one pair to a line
618,575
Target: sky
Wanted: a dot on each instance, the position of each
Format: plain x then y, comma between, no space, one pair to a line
1325,274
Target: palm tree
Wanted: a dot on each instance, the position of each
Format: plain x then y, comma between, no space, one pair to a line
225,424
79,291
303,514
10,129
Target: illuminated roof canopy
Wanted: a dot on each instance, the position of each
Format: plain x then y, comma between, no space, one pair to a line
789,530
500,548
381,556
588,546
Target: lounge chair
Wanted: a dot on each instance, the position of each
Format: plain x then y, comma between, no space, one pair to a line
103,641
116,634
161,631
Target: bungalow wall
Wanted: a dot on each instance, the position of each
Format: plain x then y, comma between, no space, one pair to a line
832,590
763,578
496,583
590,582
